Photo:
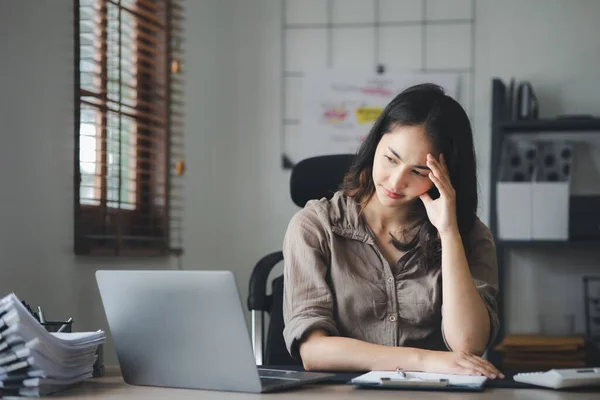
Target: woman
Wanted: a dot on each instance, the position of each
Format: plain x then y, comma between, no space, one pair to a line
367,272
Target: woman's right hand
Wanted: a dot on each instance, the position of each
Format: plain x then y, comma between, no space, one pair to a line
460,363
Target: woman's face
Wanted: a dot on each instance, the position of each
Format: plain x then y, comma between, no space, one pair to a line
400,172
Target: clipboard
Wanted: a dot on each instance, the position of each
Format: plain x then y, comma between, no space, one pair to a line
419,381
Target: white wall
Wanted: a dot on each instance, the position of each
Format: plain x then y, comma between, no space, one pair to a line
237,196
237,202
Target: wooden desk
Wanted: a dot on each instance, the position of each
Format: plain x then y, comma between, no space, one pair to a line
112,386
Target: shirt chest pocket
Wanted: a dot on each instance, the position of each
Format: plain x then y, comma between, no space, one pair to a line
419,302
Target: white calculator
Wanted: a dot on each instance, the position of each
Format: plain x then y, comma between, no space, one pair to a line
561,378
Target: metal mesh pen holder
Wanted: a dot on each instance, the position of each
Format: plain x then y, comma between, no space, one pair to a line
54,326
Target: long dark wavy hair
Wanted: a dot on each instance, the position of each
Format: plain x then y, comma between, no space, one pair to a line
447,126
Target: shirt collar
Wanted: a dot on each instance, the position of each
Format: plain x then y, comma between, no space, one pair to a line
346,219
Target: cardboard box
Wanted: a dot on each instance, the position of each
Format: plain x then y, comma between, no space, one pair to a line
514,210
551,191
515,191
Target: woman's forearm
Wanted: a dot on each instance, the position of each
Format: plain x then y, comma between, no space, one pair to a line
465,317
332,353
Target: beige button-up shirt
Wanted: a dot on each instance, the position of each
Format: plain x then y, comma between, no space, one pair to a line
336,279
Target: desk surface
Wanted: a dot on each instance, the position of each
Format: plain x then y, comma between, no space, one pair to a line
112,386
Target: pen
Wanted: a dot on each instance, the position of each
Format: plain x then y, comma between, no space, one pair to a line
41,315
64,325
400,372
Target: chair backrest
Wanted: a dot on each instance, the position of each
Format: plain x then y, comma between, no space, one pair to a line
275,350
312,178
318,177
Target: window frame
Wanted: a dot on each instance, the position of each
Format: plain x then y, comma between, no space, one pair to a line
145,189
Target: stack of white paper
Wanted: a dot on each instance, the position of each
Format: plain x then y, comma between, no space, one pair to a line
35,362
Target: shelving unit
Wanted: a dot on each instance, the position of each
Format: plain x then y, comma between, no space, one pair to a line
501,128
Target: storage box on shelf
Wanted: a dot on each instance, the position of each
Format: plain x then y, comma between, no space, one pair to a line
533,190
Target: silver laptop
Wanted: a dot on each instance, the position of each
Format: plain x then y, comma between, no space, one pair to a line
186,329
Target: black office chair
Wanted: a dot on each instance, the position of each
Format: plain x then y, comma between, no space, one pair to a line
313,178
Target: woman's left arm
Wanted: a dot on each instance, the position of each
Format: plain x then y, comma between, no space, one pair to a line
466,321
466,317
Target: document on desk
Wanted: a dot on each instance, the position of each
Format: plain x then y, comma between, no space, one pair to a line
35,362
419,380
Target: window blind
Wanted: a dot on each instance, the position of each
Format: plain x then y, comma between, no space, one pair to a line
128,127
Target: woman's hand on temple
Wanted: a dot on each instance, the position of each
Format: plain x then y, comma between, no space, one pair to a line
441,211
460,363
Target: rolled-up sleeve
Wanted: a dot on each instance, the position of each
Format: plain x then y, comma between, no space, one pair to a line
307,298
483,263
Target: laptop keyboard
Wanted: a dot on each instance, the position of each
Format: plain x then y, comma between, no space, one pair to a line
271,376
274,378
266,382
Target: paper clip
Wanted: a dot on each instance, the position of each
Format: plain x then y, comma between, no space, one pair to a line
400,372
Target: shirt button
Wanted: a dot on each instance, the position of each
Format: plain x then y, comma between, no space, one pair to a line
390,279
392,318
